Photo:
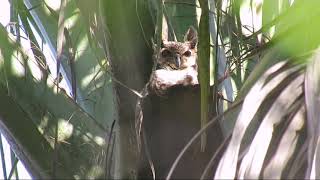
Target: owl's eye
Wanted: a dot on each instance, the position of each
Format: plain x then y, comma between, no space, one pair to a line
165,53
187,53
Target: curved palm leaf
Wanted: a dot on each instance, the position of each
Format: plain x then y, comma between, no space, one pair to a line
267,138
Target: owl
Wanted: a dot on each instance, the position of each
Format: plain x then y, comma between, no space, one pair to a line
176,64
179,55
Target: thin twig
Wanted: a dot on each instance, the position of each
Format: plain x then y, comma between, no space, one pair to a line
13,168
108,166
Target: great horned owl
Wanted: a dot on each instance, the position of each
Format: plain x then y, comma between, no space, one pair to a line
177,63
179,55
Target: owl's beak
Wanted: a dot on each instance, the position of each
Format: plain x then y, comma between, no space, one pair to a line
177,62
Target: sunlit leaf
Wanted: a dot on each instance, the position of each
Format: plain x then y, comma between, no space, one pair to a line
312,98
227,165
286,147
251,165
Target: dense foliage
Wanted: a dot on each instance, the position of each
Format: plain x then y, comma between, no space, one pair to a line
71,74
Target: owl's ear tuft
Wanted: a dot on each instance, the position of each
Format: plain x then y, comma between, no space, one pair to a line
191,36
162,44
155,46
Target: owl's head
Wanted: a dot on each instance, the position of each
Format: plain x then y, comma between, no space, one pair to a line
179,55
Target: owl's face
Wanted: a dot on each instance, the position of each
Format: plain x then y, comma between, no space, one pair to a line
179,55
